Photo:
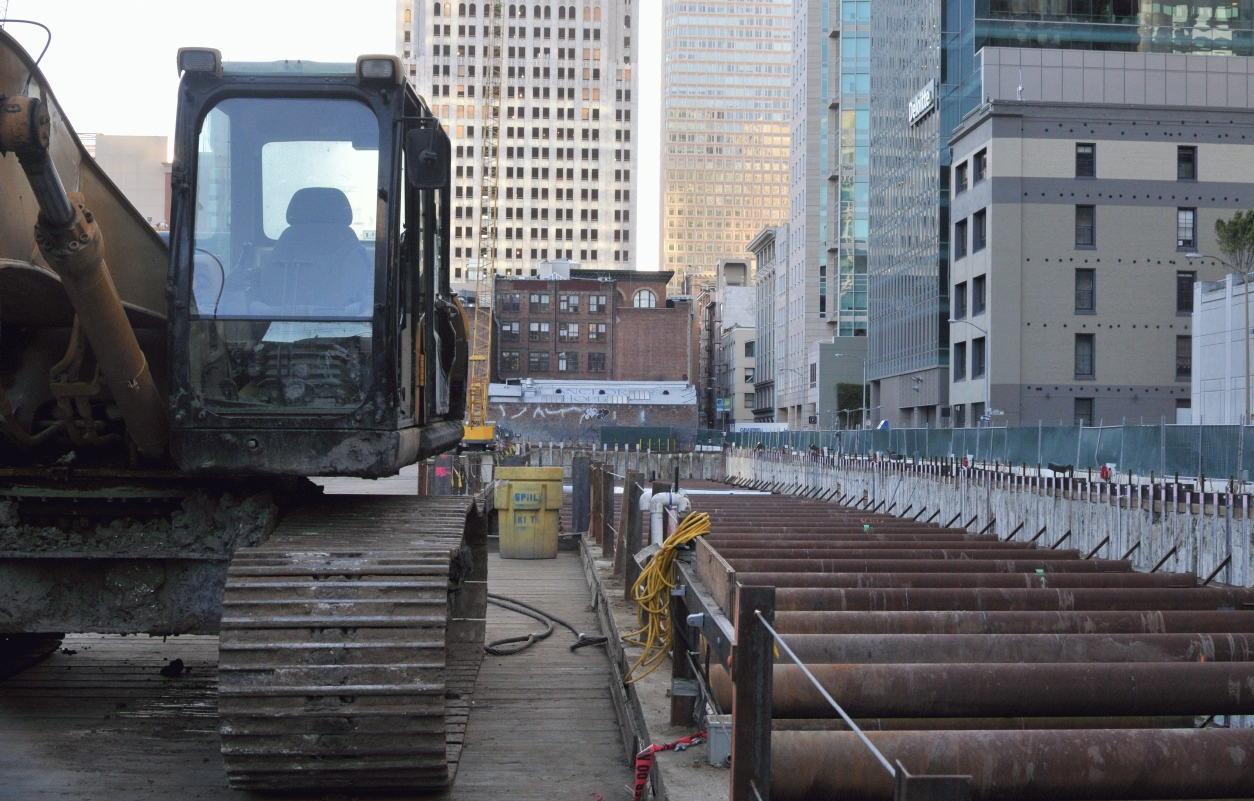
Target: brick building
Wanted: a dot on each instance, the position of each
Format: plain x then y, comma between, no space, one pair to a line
614,325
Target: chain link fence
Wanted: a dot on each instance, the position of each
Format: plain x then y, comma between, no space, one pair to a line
1215,451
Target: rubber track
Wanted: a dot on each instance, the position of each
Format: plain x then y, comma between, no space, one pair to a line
336,669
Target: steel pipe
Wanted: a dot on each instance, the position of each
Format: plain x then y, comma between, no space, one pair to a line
1136,622
1050,765
1001,599
1010,690
1009,580
1014,648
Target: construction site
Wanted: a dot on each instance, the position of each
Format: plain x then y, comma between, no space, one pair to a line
259,535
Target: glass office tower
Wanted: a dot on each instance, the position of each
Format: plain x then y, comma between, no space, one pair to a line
848,253
725,86
937,44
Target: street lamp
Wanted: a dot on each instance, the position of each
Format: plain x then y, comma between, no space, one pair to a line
987,417
1245,279
862,392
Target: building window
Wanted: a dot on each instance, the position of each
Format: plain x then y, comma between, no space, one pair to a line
749,375
509,332
960,301
1085,226
977,295
960,178
596,362
539,304
960,363
1085,366
977,357
1085,160
1085,290
814,376
508,302
960,239
1186,163
979,167
538,332
1184,291
568,332
568,303
750,347
960,415
596,304
568,362
596,332
510,361
538,361
748,400
1186,229
979,230
1084,411
644,299
1184,358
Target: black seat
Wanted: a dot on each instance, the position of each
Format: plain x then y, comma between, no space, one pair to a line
318,267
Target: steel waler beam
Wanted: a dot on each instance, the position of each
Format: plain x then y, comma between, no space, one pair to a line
1129,622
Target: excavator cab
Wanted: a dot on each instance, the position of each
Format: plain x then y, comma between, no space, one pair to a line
312,329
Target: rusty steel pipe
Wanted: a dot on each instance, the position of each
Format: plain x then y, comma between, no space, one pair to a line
904,565
1137,622
791,538
962,724
1050,765
73,246
1000,599
1010,690
824,549
1007,648
1009,580
912,552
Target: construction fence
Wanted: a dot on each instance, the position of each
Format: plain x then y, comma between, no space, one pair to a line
1214,451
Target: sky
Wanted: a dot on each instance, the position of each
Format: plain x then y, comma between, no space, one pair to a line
112,64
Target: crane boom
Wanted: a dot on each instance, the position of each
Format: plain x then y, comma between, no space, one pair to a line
478,432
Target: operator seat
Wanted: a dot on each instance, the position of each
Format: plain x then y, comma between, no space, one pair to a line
318,267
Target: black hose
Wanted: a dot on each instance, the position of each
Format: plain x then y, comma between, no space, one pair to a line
524,642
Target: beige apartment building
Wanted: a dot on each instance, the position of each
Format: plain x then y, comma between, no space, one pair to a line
1076,218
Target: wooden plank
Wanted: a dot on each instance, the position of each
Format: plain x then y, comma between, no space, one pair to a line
719,576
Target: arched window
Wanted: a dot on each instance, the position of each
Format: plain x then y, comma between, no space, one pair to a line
627,21
596,14
472,9
522,12
535,13
512,11
546,12
645,299
448,9
461,9
409,16
587,13
561,12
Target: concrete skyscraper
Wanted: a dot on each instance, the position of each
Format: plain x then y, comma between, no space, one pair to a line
725,119
567,160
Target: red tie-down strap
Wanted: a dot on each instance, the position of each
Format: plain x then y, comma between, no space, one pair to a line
644,759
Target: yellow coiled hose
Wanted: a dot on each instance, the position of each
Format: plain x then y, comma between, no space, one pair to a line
652,593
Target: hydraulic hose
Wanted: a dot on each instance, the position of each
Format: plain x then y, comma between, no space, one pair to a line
514,645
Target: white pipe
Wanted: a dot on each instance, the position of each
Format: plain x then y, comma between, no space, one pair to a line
657,506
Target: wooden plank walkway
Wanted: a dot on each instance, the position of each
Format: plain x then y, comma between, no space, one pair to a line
101,723
542,725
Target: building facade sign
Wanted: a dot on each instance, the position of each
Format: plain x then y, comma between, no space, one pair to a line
923,102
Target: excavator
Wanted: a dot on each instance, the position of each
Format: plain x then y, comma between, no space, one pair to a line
161,408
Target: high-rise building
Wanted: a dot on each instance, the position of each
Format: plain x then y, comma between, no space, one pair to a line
925,76
566,163
820,281
725,121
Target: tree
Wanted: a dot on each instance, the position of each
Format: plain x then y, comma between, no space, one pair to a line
1236,241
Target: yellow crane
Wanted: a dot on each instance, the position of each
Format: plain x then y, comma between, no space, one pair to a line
479,433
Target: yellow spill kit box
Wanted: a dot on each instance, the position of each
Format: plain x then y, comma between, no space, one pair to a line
528,502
